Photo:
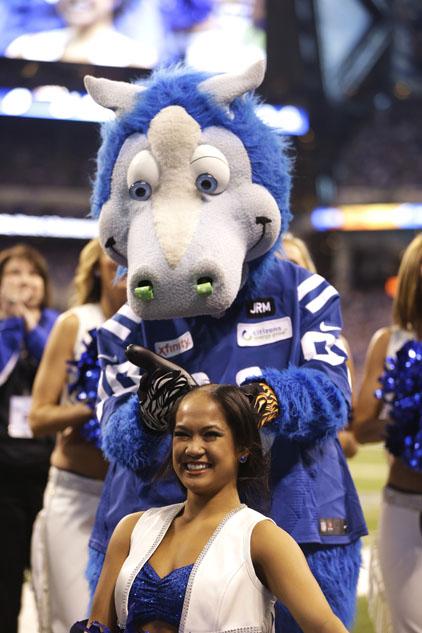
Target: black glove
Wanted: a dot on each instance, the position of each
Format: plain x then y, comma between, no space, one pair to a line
161,385
264,401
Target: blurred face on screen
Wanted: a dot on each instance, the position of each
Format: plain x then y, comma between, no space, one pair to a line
80,13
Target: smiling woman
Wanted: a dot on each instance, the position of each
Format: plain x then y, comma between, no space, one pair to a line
215,428
167,569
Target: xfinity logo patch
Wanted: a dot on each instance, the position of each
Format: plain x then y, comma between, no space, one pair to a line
260,308
176,346
264,333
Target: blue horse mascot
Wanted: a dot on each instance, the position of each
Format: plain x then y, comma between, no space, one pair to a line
192,194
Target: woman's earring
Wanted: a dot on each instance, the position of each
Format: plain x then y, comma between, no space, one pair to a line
243,459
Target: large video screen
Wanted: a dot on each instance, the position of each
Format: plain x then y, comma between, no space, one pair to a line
210,35
352,35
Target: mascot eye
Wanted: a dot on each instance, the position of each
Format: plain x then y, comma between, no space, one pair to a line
140,190
142,172
211,169
206,183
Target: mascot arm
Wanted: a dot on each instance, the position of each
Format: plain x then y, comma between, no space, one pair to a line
311,406
127,441
314,396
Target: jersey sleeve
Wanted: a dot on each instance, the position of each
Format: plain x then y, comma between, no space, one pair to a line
118,376
322,346
314,393
124,439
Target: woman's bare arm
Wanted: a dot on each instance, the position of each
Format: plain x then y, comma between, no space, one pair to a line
282,567
367,426
47,415
103,609
345,436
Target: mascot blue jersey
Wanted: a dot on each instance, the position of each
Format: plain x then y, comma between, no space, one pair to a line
293,321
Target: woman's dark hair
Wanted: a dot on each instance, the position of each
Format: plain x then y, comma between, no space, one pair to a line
242,419
34,257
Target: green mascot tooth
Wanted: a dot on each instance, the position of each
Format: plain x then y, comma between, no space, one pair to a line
145,293
204,289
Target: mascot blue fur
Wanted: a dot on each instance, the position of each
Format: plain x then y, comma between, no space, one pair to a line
192,195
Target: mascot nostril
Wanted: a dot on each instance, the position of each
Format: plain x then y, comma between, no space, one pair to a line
109,245
204,287
263,221
110,242
144,291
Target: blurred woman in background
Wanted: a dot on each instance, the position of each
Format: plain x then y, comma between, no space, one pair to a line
25,323
62,529
400,534
295,250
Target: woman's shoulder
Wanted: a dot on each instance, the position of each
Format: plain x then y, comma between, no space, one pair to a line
266,537
120,541
266,527
383,333
261,526
123,530
129,521
67,323
72,317
379,342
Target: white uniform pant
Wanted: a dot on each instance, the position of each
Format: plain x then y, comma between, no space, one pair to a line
400,555
59,552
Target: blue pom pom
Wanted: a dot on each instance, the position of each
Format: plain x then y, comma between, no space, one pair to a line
401,388
84,387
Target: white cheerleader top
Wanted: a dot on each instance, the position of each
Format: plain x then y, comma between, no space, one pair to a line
90,317
223,595
398,338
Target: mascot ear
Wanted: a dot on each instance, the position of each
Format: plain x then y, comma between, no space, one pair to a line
226,87
116,95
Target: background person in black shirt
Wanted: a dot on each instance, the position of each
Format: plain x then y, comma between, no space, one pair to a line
25,323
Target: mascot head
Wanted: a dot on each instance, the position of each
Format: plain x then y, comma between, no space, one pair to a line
192,189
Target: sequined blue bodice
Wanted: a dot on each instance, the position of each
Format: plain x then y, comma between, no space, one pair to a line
154,598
